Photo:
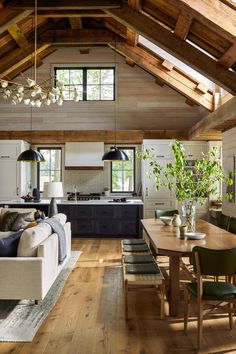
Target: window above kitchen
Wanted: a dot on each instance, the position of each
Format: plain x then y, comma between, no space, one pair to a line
51,169
123,173
90,83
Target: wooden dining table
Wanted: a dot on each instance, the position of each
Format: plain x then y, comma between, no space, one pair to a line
166,241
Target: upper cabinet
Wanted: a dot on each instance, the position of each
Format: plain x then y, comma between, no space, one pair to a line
194,149
84,156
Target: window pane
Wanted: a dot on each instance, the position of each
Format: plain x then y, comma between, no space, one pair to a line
107,92
117,166
76,77
50,170
44,177
128,181
55,159
63,75
55,176
107,76
93,92
93,76
116,181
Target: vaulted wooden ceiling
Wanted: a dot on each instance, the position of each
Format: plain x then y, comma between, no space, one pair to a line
200,33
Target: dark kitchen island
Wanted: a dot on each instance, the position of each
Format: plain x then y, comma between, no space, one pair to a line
95,218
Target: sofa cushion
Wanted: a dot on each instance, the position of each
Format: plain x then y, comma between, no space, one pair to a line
61,217
21,221
31,239
5,233
8,245
8,220
19,210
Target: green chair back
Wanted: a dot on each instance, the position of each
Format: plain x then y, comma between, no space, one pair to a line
159,213
223,222
216,262
232,225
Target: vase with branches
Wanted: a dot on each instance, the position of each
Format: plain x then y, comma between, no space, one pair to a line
193,185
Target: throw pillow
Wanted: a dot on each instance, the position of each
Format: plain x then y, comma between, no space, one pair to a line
9,245
7,220
21,221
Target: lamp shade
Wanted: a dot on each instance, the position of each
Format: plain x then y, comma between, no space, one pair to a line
31,155
114,154
54,189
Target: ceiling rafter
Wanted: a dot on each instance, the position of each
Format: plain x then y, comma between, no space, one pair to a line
183,25
66,5
215,120
132,37
177,47
15,19
172,78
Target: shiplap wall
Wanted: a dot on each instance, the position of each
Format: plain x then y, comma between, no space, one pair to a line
141,103
228,154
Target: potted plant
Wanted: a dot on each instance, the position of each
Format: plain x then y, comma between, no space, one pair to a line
192,184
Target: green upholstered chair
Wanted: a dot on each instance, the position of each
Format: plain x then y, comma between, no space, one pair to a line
212,263
223,222
159,213
232,225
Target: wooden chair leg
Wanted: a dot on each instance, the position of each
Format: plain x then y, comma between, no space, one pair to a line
126,300
186,308
162,287
200,319
231,320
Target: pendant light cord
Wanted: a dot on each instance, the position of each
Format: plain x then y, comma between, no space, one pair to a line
115,85
35,38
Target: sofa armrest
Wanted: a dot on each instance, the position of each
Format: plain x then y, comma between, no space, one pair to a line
21,278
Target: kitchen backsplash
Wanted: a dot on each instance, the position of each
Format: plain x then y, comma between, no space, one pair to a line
85,181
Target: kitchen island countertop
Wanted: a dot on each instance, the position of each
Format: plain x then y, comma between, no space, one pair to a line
72,202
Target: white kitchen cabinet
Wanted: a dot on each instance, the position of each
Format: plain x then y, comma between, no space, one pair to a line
14,175
194,149
153,198
84,154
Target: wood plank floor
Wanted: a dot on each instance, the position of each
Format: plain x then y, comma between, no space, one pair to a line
89,315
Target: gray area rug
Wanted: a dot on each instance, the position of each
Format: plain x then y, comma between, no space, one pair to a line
20,320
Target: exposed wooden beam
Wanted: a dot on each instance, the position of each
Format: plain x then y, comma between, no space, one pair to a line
15,19
181,49
224,113
183,25
20,39
159,82
107,136
12,63
214,14
132,37
173,78
229,57
129,62
72,13
167,65
66,5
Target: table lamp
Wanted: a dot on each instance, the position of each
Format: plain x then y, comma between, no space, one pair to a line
54,190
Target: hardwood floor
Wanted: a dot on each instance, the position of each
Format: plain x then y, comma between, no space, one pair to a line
89,315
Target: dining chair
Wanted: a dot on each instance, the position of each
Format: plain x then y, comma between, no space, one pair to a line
215,263
232,225
223,221
159,212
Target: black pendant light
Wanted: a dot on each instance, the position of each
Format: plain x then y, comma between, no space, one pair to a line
115,154
31,155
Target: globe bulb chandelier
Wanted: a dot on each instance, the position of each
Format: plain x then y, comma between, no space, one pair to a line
31,92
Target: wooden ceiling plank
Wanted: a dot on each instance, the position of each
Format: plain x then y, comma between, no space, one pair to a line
13,65
72,13
213,13
150,64
224,113
190,102
175,46
76,36
183,25
14,20
229,57
167,65
66,5
129,62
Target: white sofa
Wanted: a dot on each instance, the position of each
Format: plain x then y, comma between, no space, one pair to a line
31,274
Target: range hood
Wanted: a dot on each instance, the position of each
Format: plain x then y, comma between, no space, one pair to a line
84,156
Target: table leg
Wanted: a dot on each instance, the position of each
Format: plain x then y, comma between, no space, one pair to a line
174,285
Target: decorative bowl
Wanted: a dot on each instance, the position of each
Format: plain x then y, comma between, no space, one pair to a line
195,235
167,220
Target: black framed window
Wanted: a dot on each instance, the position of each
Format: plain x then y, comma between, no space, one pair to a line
123,173
91,83
51,169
